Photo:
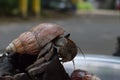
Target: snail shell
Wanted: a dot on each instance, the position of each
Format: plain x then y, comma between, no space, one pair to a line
33,41
25,43
46,32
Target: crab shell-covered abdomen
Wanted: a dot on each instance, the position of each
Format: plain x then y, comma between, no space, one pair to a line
46,32
33,41
26,43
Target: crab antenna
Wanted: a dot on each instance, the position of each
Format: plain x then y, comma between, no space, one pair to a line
81,51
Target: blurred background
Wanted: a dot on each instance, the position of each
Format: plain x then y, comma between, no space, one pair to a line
94,24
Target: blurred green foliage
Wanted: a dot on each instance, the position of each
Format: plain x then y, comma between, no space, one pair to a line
84,6
9,7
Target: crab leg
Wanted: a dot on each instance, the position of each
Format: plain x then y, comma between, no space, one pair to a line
42,60
38,69
44,50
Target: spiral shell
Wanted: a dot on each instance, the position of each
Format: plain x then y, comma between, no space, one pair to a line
33,41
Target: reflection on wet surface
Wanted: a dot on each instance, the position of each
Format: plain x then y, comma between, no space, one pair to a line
106,67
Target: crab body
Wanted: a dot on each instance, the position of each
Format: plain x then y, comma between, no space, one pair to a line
38,53
41,39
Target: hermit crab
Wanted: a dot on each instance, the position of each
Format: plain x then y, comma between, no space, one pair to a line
48,42
41,40
37,55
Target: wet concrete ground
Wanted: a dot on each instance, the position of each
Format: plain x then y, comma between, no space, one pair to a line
93,34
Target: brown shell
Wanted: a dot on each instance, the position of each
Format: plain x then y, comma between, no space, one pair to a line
83,75
32,42
26,43
78,74
46,32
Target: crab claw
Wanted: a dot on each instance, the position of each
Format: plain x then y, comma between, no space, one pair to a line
68,51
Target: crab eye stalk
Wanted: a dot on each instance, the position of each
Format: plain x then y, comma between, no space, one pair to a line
67,36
